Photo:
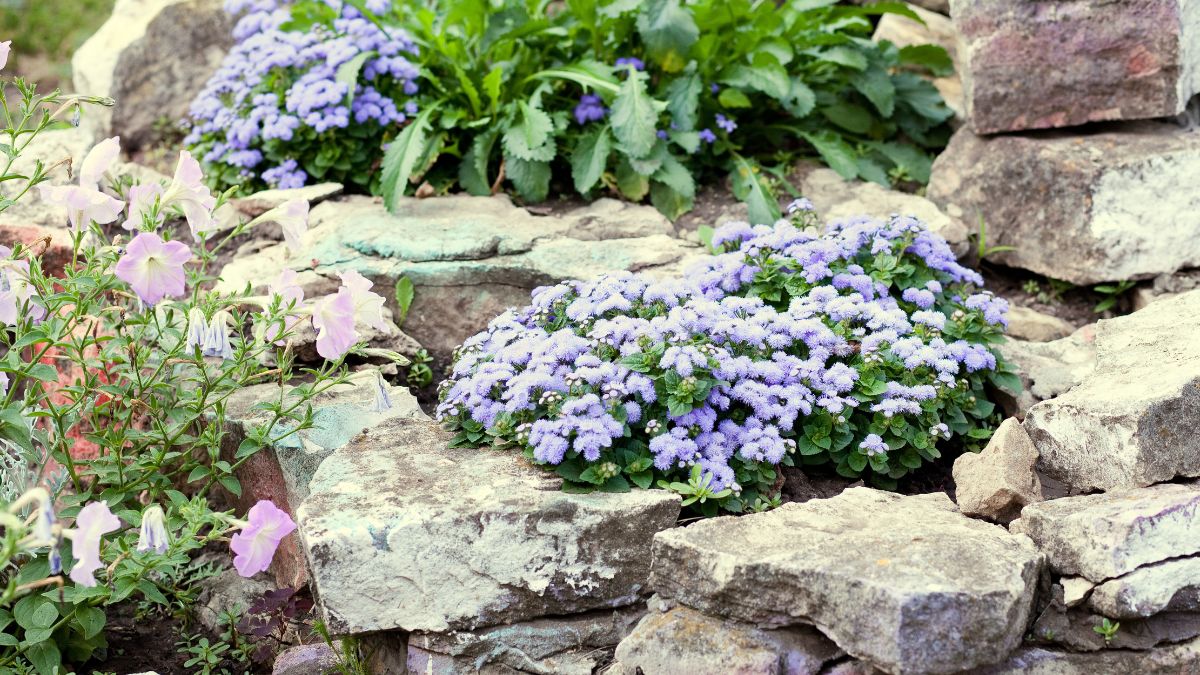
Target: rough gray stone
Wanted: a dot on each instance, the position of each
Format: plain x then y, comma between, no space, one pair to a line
401,532
1111,204
562,645
1169,585
999,481
1075,629
1176,659
469,258
907,583
1032,325
1034,64
317,658
1165,286
836,198
260,202
683,641
151,56
1075,590
1048,369
226,592
1107,535
1132,421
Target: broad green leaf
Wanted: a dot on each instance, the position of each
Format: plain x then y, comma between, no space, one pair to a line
837,154
492,83
672,172
933,57
683,98
919,94
405,291
590,158
45,657
634,116
530,178
876,84
844,56
668,30
801,100
869,169
347,73
669,201
733,98
473,169
642,479
585,73
402,157
632,184
750,187
619,7
853,118
531,139
913,159
769,78
44,372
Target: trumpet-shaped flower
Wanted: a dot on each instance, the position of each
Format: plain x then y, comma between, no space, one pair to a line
143,211
15,290
98,161
93,522
153,267
292,217
216,338
197,329
255,545
5,48
291,295
84,205
188,192
333,317
368,306
383,400
153,534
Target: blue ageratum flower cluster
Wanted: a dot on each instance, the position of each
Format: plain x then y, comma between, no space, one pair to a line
861,349
280,110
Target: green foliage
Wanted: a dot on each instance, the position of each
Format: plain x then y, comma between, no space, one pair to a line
502,79
1111,294
1107,628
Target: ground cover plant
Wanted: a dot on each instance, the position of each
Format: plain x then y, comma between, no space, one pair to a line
640,99
867,350
116,364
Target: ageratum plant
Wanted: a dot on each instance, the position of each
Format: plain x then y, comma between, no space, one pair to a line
866,350
638,99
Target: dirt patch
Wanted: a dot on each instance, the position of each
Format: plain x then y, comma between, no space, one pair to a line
1073,304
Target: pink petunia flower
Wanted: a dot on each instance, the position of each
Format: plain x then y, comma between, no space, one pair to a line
333,317
291,295
255,545
142,199
98,161
188,192
292,217
85,203
153,267
5,47
93,522
368,306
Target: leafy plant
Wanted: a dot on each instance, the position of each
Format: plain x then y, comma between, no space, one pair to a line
1111,294
269,617
648,99
1108,629
982,250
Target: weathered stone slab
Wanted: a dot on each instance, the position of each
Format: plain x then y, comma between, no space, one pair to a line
1133,420
1110,204
683,641
401,532
1028,324
1048,369
999,481
260,202
1035,64
563,645
1169,585
1176,659
151,56
1075,629
907,583
1103,536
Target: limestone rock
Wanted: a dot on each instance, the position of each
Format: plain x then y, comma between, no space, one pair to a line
836,198
226,592
1035,64
1075,629
566,645
151,57
260,202
933,28
1032,325
311,659
1169,585
469,258
907,583
1132,421
1111,204
1165,286
1176,659
1075,590
1102,536
998,482
1048,369
682,641
401,532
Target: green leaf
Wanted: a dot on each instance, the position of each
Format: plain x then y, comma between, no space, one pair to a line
405,291
668,30
672,172
733,98
683,98
870,170
8,640
669,201
750,187
491,86
347,73
801,100
571,487
919,94
632,184
34,635
402,157
473,170
531,179
42,616
530,139
857,461
91,620
909,157
591,475
642,479
853,118
770,79
44,372
844,56
590,158
876,84
45,657
837,154
14,427
933,57
634,116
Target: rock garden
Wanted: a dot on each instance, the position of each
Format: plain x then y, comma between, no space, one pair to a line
668,337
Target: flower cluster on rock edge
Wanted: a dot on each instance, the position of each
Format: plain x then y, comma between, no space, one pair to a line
861,348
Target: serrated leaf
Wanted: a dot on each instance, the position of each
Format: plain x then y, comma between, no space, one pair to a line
844,55
668,30
876,84
634,116
530,178
869,169
492,83
837,154
631,184
403,156
911,158
801,100
920,95
590,159
642,479
683,98
673,173
853,118
347,73
770,79
669,201
530,138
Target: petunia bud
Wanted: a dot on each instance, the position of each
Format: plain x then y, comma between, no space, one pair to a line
153,535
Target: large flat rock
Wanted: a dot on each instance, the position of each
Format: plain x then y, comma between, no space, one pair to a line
403,533
1034,64
1172,585
1176,659
1132,421
1103,205
1103,536
907,583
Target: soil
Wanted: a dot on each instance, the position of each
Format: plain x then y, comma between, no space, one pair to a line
140,645
1073,304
